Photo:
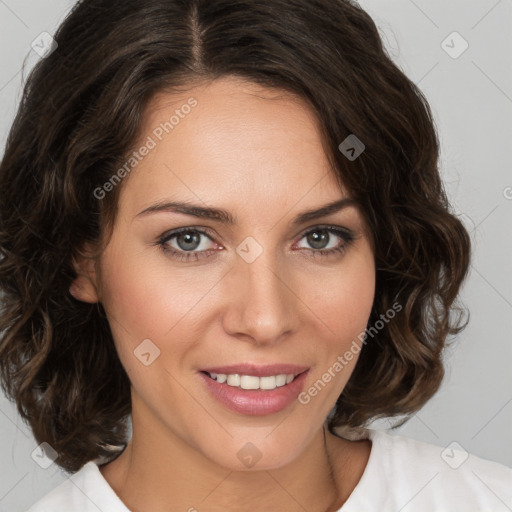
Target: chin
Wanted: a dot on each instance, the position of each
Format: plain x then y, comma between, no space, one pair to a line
257,449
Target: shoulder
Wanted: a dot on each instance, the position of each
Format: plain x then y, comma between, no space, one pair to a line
84,491
409,475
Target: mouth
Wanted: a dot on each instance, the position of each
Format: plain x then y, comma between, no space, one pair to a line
255,390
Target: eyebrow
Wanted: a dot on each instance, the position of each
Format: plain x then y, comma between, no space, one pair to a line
225,217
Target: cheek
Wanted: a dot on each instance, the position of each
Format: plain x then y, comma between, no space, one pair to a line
344,302
144,298
145,301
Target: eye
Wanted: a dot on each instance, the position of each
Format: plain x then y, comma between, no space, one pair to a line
192,244
327,240
188,244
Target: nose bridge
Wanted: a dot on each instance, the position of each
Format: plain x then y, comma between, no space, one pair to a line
261,304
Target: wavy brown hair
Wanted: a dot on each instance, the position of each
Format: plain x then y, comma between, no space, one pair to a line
78,119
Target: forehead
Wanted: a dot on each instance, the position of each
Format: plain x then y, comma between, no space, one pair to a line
239,114
231,139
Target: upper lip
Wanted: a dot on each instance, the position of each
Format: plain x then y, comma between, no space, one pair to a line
257,370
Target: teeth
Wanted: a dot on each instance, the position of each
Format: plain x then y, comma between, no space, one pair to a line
281,380
252,382
234,380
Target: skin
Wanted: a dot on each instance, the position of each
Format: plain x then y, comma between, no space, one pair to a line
257,153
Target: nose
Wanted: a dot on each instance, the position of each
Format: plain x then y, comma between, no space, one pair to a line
261,306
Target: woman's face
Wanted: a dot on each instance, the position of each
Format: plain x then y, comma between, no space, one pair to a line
263,293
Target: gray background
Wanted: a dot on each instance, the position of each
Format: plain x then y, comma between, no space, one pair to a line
471,97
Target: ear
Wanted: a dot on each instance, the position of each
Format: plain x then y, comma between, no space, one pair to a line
85,286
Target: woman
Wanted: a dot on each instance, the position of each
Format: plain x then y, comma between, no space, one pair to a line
224,222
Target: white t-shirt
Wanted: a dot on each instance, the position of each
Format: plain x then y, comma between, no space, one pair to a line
402,475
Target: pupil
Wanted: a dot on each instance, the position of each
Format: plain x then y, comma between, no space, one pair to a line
188,241
318,239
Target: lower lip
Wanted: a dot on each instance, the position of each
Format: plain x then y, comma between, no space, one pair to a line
255,402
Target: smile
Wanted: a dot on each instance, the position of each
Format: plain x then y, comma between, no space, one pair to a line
244,391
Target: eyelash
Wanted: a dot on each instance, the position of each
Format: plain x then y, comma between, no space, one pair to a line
345,234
